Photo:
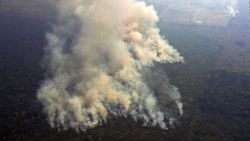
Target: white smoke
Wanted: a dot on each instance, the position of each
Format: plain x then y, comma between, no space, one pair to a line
229,7
95,60
232,8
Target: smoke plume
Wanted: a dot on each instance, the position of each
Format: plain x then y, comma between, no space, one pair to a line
96,61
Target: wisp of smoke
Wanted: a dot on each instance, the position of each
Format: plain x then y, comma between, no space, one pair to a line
228,6
95,60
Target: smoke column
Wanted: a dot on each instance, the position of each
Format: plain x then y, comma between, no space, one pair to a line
96,59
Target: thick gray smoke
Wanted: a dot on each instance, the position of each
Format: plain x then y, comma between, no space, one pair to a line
96,59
